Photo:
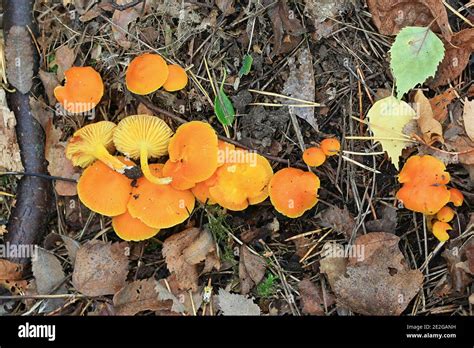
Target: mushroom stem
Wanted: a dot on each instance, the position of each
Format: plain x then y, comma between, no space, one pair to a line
111,161
146,169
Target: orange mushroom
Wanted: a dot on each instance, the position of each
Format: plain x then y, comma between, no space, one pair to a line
330,146
193,152
143,136
445,214
92,142
224,151
82,91
132,229
424,180
294,191
456,197
159,206
314,156
241,181
177,78
201,190
440,229
146,73
103,190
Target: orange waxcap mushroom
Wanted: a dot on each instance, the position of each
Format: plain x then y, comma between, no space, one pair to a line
330,146
146,73
201,190
241,181
193,154
456,197
92,142
159,206
445,214
103,190
424,180
314,156
225,151
294,191
177,78
143,136
132,229
82,90
439,230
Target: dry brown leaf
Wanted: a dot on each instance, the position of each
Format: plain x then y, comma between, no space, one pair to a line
340,220
459,277
184,252
10,270
386,222
320,10
226,6
100,268
121,20
377,282
236,305
287,29
455,58
10,158
390,16
58,164
468,118
439,104
431,129
464,145
139,296
19,58
251,269
311,298
64,58
50,82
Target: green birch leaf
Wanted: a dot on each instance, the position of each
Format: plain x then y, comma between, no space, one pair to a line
223,108
246,65
415,56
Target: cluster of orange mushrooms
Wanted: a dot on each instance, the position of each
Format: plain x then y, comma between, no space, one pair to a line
424,190
143,199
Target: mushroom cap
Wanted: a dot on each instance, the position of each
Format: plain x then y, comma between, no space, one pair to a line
159,206
456,197
82,91
224,151
146,73
424,180
193,155
330,146
439,230
241,182
201,190
134,131
294,191
177,78
314,156
445,214
132,229
103,190
85,141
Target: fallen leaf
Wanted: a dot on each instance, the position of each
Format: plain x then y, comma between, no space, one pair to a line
284,22
121,20
300,84
387,222
376,282
139,296
236,305
468,118
320,10
10,270
431,129
49,278
311,298
455,59
439,104
19,58
340,220
390,16
101,268
251,269
464,145
50,82
64,58
226,6
387,119
10,158
184,252
164,295
72,247
459,260
58,164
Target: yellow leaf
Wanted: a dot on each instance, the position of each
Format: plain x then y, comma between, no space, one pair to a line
387,117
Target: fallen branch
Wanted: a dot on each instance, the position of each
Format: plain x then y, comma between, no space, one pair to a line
29,217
